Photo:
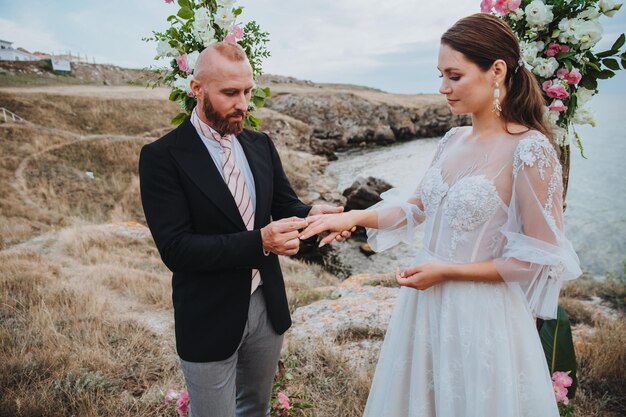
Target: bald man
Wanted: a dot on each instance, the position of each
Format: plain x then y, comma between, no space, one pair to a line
209,190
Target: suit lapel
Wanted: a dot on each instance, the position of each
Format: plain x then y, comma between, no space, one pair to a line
258,159
193,158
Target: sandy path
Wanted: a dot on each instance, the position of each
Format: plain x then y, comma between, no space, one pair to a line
101,91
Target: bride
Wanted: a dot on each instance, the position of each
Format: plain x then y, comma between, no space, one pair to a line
462,339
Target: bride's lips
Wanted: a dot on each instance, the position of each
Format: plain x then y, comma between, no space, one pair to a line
451,101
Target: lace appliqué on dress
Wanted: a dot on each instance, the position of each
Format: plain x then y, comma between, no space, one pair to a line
433,190
536,149
471,202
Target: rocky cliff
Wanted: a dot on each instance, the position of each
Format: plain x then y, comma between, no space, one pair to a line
323,118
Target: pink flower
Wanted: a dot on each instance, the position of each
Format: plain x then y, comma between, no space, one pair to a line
182,63
170,396
183,404
560,393
555,90
572,77
486,5
554,48
514,4
501,7
169,1
558,106
230,39
236,31
283,400
562,379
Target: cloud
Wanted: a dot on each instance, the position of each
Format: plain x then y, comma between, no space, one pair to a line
32,39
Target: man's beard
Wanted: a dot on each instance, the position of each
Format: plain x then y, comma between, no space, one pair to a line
219,123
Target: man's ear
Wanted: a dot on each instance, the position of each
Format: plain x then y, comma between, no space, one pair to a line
196,88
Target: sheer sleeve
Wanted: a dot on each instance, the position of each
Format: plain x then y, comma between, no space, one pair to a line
400,211
537,256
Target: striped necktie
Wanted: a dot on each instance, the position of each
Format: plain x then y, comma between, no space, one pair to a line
234,179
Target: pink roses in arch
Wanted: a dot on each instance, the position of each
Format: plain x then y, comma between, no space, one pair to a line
501,6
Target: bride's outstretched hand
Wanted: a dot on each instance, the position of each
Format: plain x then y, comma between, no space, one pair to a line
338,226
422,276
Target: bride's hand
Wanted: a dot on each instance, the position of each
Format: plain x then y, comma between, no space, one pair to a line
339,226
422,276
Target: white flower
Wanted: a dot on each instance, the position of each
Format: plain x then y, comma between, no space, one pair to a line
182,83
567,29
530,50
609,7
229,4
224,17
202,19
538,14
584,117
517,14
589,13
588,33
192,58
552,116
583,96
164,49
545,67
206,35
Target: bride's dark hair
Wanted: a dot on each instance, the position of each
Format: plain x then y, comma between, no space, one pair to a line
484,38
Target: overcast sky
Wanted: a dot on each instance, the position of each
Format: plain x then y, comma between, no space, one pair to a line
389,44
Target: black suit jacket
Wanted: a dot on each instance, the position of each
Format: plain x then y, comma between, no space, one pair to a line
202,239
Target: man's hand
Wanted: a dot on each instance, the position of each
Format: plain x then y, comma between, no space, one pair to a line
281,237
324,209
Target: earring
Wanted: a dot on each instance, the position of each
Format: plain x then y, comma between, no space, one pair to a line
496,102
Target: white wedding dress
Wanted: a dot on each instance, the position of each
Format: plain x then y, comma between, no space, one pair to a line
471,349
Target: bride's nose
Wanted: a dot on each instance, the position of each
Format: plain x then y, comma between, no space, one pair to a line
444,88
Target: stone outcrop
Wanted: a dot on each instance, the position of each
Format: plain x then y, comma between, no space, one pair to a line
364,193
344,116
353,321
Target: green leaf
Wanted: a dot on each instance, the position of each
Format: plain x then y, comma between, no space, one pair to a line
178,119
605,54
568,65
185,13
606,74
611,63
258,101
266,90
618,43
174,95
558,346
589,83
593,65
172,17
563,55
624,63
185,3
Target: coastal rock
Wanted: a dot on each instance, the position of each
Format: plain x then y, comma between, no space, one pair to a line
364,192
343,116
353,321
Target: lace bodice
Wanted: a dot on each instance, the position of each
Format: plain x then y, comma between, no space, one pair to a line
497,199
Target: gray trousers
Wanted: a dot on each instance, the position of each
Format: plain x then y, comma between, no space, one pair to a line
241,385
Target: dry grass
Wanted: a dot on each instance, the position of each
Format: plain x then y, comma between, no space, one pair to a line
612,289
602,366
91,115
578,312
65,352
58,179
305,283
326,380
